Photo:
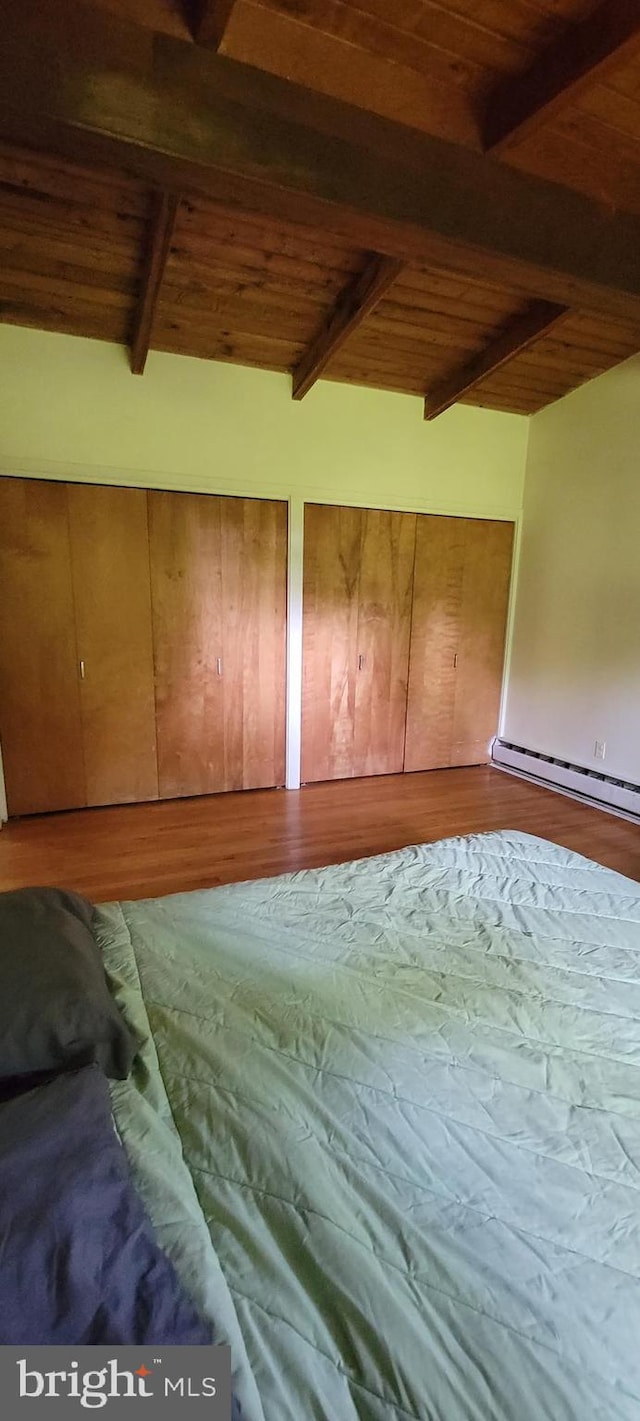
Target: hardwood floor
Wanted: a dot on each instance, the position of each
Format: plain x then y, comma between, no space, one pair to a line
144,850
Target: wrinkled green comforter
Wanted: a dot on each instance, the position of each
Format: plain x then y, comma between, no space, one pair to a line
386,1119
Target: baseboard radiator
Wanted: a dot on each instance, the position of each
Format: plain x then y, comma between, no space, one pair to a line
604,789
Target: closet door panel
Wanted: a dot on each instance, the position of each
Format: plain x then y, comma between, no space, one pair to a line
437,603
461,593
332,546
219,586
40,725
358,571
186,599
483,624
254,597
384,627
110,560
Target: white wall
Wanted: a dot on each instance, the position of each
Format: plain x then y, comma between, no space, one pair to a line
575,655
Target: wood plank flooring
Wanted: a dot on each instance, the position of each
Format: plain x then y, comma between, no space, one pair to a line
144,850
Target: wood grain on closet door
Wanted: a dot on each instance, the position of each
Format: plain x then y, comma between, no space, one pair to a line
481,648
358,569
186,600
40,725
110,561
385,592
435,635
461,592
254,602
332,551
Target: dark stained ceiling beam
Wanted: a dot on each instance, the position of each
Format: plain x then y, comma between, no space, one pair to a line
608,37
178,116
540,318
164,212
211,20
352,307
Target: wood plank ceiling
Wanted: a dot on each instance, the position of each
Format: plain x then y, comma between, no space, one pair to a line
469,229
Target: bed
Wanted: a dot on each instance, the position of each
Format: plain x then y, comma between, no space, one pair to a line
386,1122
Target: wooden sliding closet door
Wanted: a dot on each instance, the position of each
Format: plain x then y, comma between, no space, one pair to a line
358,569
332,540
485,604
435,635
110,559
186,597
218,583
460,601
254,612
384,630
40,724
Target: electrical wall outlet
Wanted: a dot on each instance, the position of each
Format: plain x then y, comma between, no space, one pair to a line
599,749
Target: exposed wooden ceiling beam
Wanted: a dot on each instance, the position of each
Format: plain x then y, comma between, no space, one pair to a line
179,116
539,319
212,19
164,212
584,55
352,307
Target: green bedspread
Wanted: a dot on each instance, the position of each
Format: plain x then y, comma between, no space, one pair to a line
386,1119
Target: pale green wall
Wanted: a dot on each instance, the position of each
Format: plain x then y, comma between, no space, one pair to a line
575,657
69,408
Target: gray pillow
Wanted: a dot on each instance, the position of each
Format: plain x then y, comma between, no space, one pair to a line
56,1011
80,1262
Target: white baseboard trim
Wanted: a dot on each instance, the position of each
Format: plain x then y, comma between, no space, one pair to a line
567,793
610,791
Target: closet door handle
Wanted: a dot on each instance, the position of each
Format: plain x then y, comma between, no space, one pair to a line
82,670
361,662
455,660
219,665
